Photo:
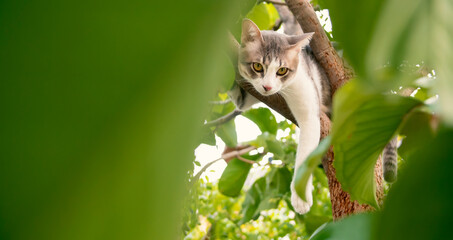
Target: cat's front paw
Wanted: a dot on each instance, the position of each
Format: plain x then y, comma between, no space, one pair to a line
299,205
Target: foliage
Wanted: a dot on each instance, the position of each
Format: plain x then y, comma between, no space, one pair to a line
101,105
391,48
401,52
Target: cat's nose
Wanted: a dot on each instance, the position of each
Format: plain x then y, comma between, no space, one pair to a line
267,88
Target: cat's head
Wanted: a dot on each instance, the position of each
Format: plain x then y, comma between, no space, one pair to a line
267,59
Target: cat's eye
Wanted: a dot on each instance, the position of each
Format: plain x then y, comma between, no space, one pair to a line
282,71
257,67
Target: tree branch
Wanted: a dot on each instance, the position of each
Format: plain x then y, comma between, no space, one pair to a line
223,119
320,44
224,156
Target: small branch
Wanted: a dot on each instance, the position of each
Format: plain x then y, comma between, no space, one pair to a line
220,102
233,154
196,177
245,160
225,156
273,2
223,119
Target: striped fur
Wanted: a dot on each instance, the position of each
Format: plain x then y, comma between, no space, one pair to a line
390,161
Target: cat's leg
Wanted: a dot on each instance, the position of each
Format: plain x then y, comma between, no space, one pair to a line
308,141
241,98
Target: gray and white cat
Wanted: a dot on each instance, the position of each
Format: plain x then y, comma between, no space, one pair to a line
276,63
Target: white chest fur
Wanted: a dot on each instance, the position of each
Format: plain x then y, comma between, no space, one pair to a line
302,97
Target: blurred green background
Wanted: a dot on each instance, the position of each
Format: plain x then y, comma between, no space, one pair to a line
100,105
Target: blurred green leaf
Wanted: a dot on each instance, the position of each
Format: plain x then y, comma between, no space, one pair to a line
321,176
353,24
264,15
355,227
423,188
362,126
422,94
313,222
264,118
309,165
101,109
417,131
423,32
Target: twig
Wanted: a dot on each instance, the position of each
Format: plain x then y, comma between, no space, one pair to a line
223,119
273,2
238,153
245,160
224,156
220,102
196,177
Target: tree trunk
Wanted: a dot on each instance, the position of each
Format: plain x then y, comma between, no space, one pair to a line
338,75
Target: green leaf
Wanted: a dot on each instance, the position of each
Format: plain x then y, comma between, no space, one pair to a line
361,129
320,175
264,15
353,24
264,118
424,188
274,146
267,202
417,131
227,132
422,32
266,193
422,94
355,227
281,180
234,176
208,136
313,222
309,165
253,200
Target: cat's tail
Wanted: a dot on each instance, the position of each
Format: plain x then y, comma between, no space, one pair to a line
390,164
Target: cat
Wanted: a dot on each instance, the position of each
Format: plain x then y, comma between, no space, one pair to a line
275,63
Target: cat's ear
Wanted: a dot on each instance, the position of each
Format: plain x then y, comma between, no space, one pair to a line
299,41
250,32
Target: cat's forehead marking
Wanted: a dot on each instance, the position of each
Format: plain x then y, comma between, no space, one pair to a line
273,46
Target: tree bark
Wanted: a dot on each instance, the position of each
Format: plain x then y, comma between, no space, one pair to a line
338,75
